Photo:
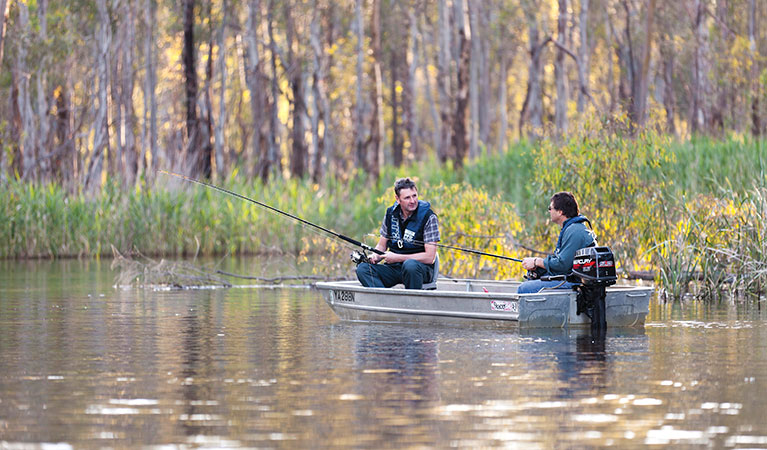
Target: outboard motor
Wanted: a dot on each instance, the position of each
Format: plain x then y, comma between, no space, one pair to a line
594,270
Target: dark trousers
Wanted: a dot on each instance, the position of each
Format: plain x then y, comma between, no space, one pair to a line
411,273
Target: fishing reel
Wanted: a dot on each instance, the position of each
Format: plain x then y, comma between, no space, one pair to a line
535,274
359,257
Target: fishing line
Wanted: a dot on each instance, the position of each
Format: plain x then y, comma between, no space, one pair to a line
271,208
462,249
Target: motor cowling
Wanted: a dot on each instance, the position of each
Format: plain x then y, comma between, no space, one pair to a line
594,270
594,265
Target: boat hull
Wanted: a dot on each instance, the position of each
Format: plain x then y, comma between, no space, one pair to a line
480,301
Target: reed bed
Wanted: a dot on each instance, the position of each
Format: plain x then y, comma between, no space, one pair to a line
691,212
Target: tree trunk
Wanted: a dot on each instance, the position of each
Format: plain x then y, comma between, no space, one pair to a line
255,81
115,157
723,88
503,108
322,107
756,119
627,64
129,82
460,135
410,112
103,41
433,109
396,140
560,72
701,68
17,80
485,101
295,74
669,99
5,7
360,108
26,130
125,119
583,54
205,154
641,83
222,119
611,85
190,83
42,141
63,157
275,153
374,144
532,108
150,85
475,62
444,85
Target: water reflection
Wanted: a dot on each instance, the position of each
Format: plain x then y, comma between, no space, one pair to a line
85,366
396,363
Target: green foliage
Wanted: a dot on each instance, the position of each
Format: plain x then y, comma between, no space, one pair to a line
470,218
616,181
692,212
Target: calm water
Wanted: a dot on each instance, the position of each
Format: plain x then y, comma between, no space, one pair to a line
85,365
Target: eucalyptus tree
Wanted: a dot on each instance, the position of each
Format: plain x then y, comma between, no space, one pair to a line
322,145
445,84
700,86
531,115
560,71
220,142
584,53
100,128
374,144
149,127
756,118
5,8
258,160
459,136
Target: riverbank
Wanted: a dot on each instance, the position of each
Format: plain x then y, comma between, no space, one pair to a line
684,210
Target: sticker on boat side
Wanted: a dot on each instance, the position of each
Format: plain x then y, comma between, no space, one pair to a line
500,305
344,296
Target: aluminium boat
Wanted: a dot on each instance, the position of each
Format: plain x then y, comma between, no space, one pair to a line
481,301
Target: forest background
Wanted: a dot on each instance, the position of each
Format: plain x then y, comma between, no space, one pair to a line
650,112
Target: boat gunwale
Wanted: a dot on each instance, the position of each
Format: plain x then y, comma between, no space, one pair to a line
355,286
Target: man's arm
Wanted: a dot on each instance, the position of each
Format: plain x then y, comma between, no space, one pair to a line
573,240
382,246
426,257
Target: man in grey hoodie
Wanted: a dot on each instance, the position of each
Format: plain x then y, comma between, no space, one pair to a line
563,210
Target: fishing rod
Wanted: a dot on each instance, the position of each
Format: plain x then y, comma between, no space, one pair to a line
467,250
264,205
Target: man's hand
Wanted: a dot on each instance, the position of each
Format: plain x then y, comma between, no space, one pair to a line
529,263
375,258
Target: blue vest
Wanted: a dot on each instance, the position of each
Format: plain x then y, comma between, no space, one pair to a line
409,240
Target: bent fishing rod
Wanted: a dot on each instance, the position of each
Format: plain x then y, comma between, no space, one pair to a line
463,249
264,205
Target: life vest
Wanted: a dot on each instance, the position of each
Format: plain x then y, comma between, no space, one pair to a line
409,240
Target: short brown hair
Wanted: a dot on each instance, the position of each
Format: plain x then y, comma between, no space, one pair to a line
565,201
404,183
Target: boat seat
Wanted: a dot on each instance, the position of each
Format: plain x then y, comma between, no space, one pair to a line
432,285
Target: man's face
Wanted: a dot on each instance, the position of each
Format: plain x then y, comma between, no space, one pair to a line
554,214
408,200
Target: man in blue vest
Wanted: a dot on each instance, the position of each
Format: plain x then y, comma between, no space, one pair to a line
563,210
409,232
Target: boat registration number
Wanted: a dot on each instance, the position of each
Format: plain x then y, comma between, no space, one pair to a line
344,296
503,305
